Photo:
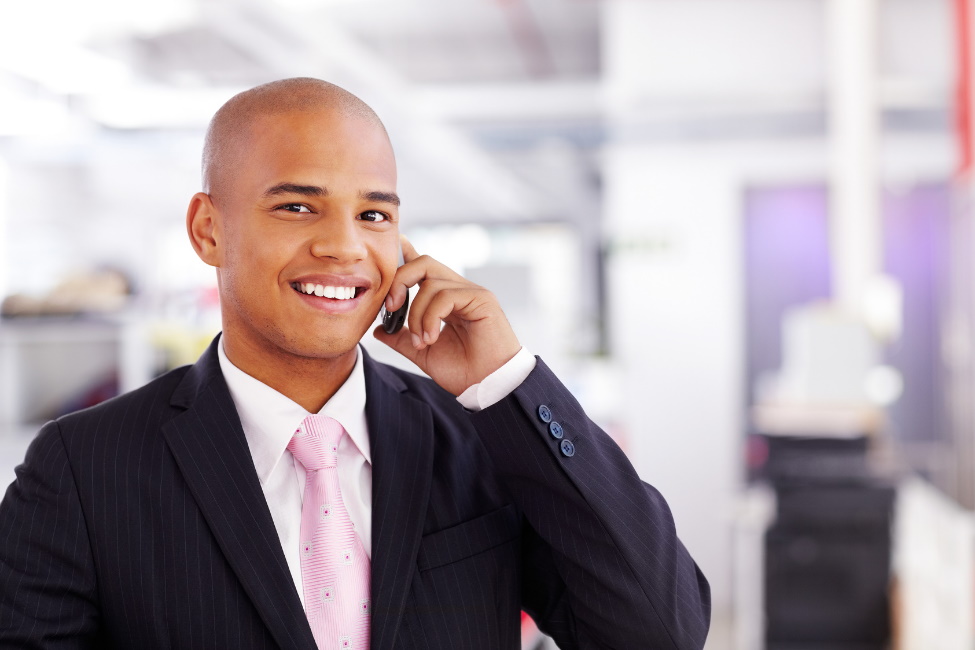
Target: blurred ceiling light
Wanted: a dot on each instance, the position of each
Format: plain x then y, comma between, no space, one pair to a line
149,107
311,4
144,16
20,116
63,68
46,41
39,24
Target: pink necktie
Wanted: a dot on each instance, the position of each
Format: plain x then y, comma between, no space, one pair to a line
334,566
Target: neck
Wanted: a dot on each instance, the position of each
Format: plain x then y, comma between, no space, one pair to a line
309,382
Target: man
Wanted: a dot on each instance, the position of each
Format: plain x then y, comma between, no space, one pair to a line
191,514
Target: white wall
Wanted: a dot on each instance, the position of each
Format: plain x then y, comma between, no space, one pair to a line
677,333
673,206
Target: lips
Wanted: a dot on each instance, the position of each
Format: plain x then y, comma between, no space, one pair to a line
331,293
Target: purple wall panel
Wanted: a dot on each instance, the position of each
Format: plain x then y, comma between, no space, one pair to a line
787,263
916,253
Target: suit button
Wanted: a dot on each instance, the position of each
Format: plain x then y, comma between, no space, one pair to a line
544,414
568,449
556,430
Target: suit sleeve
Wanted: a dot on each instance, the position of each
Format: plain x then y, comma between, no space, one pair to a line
602,564
47,583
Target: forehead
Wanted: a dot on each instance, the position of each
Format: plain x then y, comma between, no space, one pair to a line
317,142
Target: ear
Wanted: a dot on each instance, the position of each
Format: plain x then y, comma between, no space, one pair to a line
203,227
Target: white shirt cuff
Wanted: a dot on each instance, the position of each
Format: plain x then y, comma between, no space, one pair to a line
500,383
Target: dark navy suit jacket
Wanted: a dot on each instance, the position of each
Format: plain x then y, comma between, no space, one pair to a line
140,523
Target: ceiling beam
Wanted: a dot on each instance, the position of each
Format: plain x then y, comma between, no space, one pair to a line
326,50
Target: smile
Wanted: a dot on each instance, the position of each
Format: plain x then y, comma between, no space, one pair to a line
325,291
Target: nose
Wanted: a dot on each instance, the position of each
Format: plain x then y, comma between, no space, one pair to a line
339,237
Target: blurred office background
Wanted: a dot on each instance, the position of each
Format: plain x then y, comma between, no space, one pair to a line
740,230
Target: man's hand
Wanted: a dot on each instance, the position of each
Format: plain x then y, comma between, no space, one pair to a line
476,338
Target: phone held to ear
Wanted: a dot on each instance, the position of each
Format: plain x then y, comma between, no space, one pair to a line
393,320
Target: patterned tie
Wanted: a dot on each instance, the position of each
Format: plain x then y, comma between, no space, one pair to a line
334,566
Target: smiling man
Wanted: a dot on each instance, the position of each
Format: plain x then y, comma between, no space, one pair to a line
287,491
299,193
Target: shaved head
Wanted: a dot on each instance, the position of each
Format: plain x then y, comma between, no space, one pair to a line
232,125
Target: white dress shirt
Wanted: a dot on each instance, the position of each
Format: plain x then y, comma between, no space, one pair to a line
269,419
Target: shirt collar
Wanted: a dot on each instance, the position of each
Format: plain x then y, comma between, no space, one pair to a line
269,419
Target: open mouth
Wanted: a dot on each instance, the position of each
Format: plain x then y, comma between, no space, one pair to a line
327,291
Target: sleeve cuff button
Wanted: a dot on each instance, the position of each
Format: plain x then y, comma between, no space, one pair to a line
544,414
568,449
556,430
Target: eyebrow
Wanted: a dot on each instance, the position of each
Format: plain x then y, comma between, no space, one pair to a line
316,190
294,188
381,197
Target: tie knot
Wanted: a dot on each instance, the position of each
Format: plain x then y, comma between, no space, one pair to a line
316,442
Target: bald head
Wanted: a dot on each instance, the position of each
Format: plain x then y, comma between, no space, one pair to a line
232,125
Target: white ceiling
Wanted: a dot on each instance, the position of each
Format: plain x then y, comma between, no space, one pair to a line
477,94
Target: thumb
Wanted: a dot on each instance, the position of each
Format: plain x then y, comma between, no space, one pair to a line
401,341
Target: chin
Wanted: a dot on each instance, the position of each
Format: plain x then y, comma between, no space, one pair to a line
297,338
325,347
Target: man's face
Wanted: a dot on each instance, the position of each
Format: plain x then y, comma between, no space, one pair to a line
308,225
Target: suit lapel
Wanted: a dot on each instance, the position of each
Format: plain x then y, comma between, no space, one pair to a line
401,439
210,449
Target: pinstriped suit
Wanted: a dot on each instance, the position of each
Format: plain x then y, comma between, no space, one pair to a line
140,523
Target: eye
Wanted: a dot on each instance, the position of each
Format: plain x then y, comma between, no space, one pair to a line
374,216
293,207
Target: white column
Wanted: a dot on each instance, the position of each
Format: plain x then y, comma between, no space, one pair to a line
854,129
4,243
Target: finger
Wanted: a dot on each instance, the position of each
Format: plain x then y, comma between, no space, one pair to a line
401,341
422,268
395,295
409,253
398,290
428,290
443,304
405,277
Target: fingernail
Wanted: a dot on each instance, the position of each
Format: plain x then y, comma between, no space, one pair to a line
388,303
427,337
416,341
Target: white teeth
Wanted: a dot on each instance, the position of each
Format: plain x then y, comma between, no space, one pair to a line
338,293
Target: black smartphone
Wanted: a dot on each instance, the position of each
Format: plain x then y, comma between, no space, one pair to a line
393,320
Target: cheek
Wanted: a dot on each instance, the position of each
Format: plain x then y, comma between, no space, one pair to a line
388,272
260,256
385,254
